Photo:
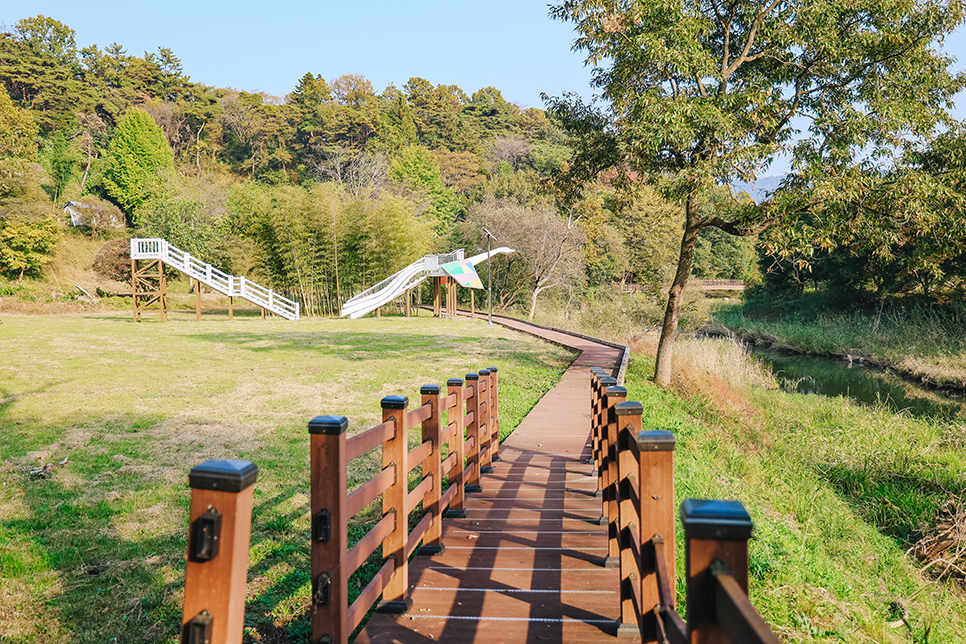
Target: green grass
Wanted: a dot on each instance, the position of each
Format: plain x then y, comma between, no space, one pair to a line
134,406
837,492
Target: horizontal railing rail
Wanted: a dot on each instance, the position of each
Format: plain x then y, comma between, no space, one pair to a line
635,471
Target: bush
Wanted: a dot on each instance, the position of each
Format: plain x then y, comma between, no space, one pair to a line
113,260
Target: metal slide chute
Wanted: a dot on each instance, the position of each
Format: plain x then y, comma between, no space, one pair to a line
395,285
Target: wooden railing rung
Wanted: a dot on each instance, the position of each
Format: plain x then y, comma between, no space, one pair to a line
469,418
451,462
419,415
369,440
369,491
663,580
418,532
448,402
672,627
370,594
469,443
418,494
368,544
417,455
735,615
448,496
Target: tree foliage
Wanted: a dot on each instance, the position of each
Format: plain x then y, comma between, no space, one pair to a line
700,92
137,152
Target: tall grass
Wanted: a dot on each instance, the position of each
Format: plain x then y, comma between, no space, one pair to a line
925,344
837,492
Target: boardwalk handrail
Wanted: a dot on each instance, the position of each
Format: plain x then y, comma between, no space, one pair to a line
471,438
636,479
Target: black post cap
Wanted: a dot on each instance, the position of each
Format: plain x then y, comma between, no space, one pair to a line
628,408
328,425
395,402
608,382
454,382
431,390
615,390
484,372
655,440
225,476
491,369
715,519
472,376
598,370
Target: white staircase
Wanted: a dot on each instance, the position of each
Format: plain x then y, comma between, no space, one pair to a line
397,284
224,283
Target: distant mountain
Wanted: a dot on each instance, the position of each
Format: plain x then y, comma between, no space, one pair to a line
758,188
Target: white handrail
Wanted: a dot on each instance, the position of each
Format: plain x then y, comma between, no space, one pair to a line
212,277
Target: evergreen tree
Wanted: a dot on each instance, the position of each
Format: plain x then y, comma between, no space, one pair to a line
137,152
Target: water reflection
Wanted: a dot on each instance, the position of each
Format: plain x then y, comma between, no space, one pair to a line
830,377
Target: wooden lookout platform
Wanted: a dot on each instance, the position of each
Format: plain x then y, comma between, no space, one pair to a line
528,563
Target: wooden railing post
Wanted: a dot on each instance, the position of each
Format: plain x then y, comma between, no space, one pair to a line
485,430
217,569
613,396
603,413
656,476
432,543
330,577
395,453
455,417
472,432
713,530
596,373
494,414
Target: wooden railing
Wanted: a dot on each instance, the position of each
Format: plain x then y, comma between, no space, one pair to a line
469,437
221,509
636,480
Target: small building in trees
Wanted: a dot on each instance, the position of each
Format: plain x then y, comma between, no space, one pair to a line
87,215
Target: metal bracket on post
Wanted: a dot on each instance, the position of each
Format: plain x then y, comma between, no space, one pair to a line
206,536
198,630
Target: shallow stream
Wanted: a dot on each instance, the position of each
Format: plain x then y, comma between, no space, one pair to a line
837,377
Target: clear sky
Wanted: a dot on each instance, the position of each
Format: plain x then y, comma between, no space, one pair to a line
268,45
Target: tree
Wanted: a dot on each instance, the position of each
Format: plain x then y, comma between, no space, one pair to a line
547,244
700,91
138,152
17,131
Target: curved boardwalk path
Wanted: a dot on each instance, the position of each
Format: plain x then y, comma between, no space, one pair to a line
527,564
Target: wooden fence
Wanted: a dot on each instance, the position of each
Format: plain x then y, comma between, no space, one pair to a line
636,480
222,503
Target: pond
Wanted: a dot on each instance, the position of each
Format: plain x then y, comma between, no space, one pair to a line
838,377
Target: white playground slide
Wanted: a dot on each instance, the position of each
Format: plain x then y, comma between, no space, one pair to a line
397,284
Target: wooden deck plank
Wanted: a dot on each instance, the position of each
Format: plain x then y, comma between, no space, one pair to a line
527,564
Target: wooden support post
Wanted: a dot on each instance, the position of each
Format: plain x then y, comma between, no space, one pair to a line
330,542
596,373
483,405
457,444
473,431
613,396
134,290
472,304
231,308
197,301
432,464
395,453
217,569
600,422
409,300
494,414
713,530
654,518
437,297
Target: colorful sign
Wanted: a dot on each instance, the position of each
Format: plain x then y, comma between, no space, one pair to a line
464,274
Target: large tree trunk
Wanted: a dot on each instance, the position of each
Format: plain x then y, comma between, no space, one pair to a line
689,241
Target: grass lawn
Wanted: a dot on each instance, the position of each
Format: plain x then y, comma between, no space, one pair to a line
96,552
838,492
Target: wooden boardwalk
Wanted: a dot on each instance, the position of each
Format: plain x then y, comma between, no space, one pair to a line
527,564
